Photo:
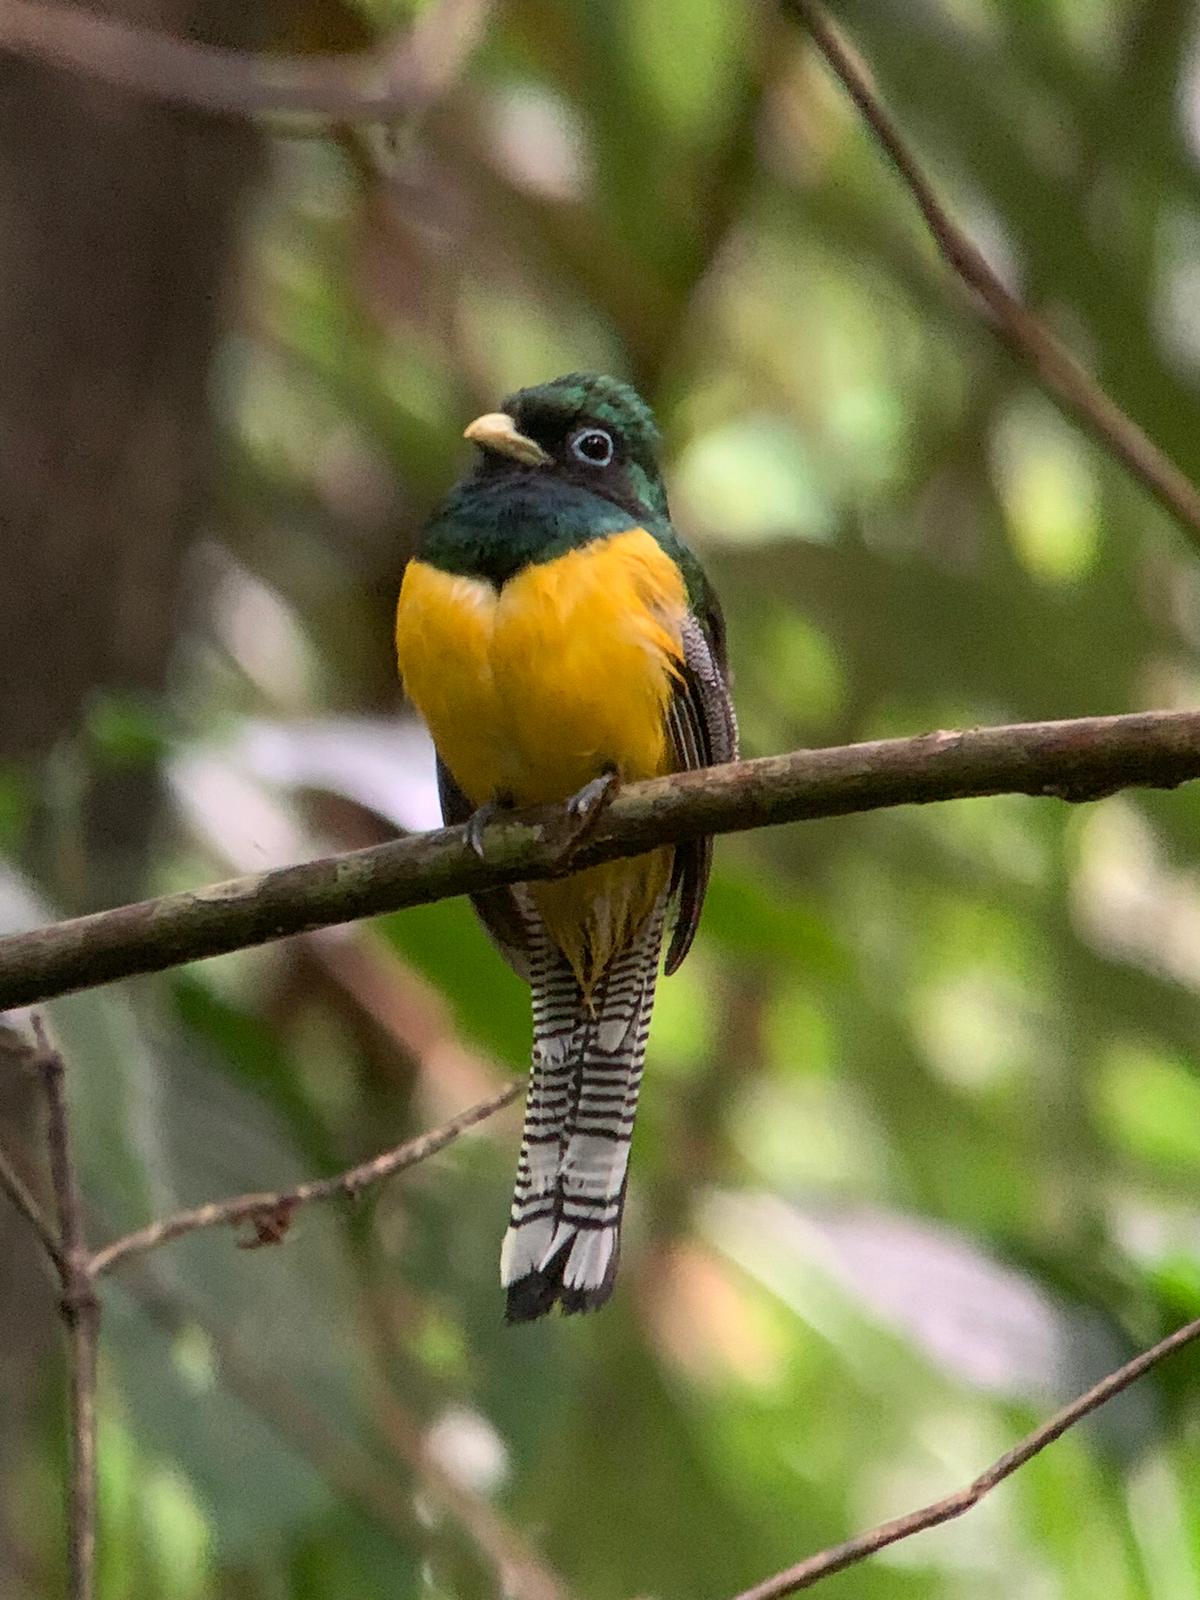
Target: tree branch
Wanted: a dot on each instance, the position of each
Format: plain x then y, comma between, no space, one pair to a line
400,79
81,1313
277,1206
11,1181
838,1557
1077,761
365,1473
1057,369
519,1570
22,1197
79,1269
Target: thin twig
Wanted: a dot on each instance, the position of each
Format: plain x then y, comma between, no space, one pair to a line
282,1202
15,1046
520,1571
79,1270
1077,761
81,1313
22,1197
398,80
840,1556
357,1470
1059,371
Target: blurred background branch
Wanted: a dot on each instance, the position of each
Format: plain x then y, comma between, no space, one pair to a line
66,1248
1026,335
371,1480
396,80
273,1211
520,1572
23,1199
807,1574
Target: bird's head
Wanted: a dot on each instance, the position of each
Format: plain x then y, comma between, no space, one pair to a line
584,429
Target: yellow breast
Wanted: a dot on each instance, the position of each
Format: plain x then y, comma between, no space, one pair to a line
535,688
531,690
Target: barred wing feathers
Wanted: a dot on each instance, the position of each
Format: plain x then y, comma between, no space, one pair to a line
703,732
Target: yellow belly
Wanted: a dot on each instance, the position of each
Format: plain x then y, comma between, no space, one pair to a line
531,690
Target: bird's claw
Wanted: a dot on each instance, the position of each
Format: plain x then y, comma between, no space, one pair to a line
586,806
478,821
582,811
593,797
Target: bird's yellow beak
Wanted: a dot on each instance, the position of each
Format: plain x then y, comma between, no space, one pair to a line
498,432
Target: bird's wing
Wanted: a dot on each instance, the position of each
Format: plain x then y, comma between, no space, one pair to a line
703,732
499,910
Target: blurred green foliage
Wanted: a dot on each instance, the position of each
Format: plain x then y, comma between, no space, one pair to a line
920,1141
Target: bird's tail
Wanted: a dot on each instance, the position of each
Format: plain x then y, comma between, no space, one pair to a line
564,1234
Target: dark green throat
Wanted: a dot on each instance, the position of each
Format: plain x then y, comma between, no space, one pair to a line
491,526
506,515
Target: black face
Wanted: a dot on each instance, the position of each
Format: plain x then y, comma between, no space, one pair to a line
599,436
585,451
602,445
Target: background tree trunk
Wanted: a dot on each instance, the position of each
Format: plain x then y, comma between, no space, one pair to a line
118,223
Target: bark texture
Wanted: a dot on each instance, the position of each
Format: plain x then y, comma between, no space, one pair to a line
1075,761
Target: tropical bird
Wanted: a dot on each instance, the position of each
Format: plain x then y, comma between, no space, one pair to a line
558,637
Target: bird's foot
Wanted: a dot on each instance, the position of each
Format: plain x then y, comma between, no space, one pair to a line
478,821
585,808
587,803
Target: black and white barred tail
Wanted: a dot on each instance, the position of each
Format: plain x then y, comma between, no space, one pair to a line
564,1234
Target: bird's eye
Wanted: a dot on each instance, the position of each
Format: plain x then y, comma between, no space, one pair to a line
593,446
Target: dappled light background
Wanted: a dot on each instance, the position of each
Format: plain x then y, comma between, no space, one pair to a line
919,1148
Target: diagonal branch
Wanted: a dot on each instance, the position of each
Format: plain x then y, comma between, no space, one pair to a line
520,1571
15,1047
360,1472
400,79
841,1556
275,1207
79,1270
19,1192
1058,370
1080,760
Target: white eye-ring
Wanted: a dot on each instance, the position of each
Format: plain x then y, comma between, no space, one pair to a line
593,446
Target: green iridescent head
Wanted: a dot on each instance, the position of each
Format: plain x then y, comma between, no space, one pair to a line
584,429
564,463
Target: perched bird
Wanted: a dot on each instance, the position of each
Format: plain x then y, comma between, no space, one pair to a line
558,637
